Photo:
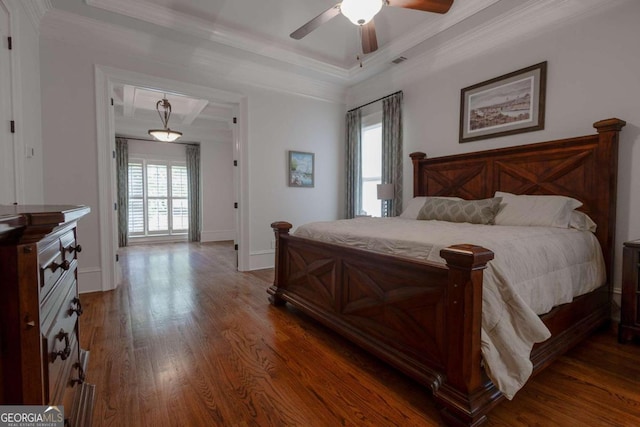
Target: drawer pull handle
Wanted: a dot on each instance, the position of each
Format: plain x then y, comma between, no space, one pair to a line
65,265
72,249
78,307
81,374
64,354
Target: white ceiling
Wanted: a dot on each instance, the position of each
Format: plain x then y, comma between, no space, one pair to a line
269,23
258,30
262,27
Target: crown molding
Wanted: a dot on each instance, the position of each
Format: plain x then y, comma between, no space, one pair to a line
383,56
165,17
375,62
35,10
513,26
99,35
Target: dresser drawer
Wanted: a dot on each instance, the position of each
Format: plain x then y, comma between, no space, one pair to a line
61,372
52,265
56,257
61,344
68,245
63,295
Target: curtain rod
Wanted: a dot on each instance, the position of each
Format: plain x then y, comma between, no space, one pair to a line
162,142
374,101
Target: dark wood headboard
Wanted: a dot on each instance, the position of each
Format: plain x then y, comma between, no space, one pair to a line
585,168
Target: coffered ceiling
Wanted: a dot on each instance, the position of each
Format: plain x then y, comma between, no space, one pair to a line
198,119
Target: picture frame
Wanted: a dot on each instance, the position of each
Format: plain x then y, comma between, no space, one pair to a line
301,169
506,105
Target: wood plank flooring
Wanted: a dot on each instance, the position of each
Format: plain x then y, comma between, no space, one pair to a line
188,341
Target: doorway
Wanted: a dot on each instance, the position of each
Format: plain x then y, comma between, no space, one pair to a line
107,81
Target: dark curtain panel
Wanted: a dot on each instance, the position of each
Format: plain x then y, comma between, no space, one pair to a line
353,163
193,176
392,152
122,176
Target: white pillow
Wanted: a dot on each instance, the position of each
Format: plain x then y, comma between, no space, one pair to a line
530,210
582,221
413,208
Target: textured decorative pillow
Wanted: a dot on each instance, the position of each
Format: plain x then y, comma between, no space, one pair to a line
531,210
415,204
582,221
473,211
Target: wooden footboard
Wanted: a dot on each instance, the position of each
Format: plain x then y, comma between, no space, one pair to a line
423,318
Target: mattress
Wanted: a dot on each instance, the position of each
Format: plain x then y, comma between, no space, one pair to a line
535,269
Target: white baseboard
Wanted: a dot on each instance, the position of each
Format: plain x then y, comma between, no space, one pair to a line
89,280
217,236
259,260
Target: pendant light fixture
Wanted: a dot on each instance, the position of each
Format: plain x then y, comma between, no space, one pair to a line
166,134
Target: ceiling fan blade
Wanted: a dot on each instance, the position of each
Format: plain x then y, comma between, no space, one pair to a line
369,39
324,17
435,6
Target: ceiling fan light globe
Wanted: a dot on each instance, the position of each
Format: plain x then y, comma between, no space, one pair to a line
360,12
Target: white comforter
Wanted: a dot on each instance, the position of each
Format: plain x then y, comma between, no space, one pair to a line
535,269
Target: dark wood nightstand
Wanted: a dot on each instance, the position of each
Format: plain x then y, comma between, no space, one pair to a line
630,311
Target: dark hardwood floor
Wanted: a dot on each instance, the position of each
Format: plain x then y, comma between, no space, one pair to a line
188,341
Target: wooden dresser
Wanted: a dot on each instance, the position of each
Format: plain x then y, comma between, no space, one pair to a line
42,363
630,310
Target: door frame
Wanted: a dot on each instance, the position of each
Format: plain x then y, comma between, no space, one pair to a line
105,79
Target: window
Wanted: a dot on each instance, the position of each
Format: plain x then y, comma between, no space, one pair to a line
371,156
158,198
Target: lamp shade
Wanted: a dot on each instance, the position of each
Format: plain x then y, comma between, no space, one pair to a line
360,12
165,135
385,191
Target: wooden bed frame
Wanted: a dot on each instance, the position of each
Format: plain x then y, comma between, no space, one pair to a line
424,318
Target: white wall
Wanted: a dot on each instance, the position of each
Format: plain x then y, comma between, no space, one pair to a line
26,105
276,122
218,214
593,74
300,124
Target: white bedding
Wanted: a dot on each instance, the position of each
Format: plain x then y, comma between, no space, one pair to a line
535,269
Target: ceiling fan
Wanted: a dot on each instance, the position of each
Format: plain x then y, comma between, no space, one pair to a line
361,13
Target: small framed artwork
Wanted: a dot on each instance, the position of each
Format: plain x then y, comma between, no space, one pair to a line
506,105
301,169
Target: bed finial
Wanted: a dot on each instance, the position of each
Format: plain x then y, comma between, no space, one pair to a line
609,125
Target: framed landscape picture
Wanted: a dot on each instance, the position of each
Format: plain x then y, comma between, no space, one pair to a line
301,169
506,105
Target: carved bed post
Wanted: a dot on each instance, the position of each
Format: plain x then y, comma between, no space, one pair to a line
460,395
417,182
606,184
280,228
